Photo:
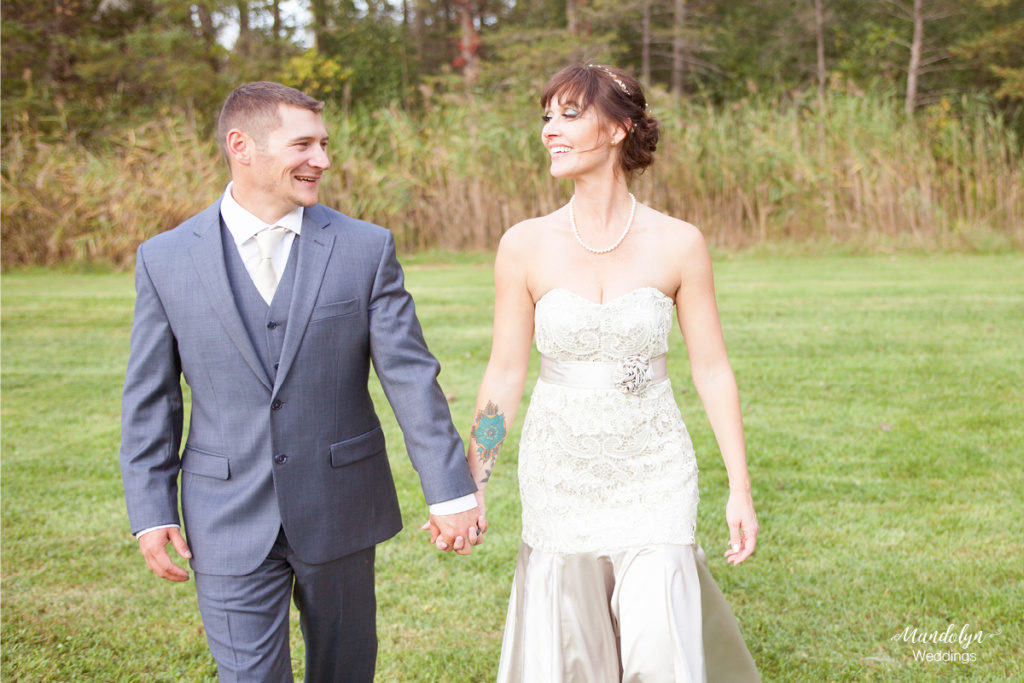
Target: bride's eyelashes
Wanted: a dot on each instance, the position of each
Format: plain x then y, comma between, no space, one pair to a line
567,114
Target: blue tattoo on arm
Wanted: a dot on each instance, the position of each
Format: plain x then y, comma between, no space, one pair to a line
489,433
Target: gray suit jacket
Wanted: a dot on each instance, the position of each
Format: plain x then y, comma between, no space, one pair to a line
305,451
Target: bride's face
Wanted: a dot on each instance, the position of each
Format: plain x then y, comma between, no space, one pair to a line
578,141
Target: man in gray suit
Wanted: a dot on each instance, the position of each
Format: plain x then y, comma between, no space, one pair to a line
272,307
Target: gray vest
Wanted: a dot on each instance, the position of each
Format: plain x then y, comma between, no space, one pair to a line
265,324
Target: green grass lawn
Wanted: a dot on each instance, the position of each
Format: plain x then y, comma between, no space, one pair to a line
884,406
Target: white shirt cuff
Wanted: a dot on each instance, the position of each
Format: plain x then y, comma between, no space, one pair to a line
154,528
454,506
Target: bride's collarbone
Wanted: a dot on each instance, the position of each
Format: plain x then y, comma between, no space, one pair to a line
600,277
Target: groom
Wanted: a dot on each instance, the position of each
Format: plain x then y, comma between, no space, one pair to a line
272,307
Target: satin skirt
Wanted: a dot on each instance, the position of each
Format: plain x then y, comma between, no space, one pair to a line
651,614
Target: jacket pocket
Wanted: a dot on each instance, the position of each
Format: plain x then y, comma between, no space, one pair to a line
205,464
356,449
335,310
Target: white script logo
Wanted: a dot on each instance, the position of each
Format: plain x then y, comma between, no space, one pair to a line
965,638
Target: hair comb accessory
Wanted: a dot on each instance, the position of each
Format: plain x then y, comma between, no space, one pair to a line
615,78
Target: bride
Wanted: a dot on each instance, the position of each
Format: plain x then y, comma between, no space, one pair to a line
610,584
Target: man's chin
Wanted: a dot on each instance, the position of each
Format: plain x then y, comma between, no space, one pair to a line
306,200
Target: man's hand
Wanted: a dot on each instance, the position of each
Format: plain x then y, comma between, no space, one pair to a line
153,545
458,532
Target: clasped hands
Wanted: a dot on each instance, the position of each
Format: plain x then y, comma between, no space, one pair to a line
458,532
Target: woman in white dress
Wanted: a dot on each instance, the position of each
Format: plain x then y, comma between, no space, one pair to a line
610,584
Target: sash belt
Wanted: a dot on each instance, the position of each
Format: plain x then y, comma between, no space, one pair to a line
592,374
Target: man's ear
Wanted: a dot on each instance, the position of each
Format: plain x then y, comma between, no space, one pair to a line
238,146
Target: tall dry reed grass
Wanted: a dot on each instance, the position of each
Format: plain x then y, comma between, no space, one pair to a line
63,203
458,174
858,174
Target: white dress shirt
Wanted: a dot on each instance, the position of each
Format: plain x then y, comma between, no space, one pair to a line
243,227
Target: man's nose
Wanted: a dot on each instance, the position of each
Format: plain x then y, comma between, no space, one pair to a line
321,160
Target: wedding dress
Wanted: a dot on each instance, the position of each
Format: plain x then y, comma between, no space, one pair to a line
610,585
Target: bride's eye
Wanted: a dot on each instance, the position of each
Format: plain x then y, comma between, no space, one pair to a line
570,113
546,118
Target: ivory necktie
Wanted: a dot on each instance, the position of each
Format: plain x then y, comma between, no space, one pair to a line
265,277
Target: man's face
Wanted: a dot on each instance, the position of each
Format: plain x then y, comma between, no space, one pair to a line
286,170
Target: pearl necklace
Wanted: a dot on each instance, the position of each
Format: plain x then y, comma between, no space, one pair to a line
575,231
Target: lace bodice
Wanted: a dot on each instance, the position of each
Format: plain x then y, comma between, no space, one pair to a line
600,469
572,328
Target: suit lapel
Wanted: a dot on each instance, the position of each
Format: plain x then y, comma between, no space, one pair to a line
315,245
208,257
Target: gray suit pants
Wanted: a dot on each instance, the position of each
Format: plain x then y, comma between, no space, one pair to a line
246,618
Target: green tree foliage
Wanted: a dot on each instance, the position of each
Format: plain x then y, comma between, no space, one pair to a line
373,55
998,48
75,66
78,67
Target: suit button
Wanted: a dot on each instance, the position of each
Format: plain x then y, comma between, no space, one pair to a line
275,365
276,405
280,458
271,325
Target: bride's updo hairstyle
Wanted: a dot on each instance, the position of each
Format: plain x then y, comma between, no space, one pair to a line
617,97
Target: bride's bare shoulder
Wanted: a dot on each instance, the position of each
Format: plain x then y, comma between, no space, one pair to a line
678,236
527,236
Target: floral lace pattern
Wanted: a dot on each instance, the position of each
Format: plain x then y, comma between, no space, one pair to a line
602,469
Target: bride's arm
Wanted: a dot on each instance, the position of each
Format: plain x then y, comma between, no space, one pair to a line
716,385
505,378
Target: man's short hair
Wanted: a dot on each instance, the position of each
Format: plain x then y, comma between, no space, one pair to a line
253,109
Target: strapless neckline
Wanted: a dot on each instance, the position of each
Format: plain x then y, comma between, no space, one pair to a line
571,327
603,303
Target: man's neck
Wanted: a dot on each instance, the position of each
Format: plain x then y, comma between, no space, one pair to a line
269,213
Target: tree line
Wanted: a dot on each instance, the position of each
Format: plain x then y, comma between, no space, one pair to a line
76,67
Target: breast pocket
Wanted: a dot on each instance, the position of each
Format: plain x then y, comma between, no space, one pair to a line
335,310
